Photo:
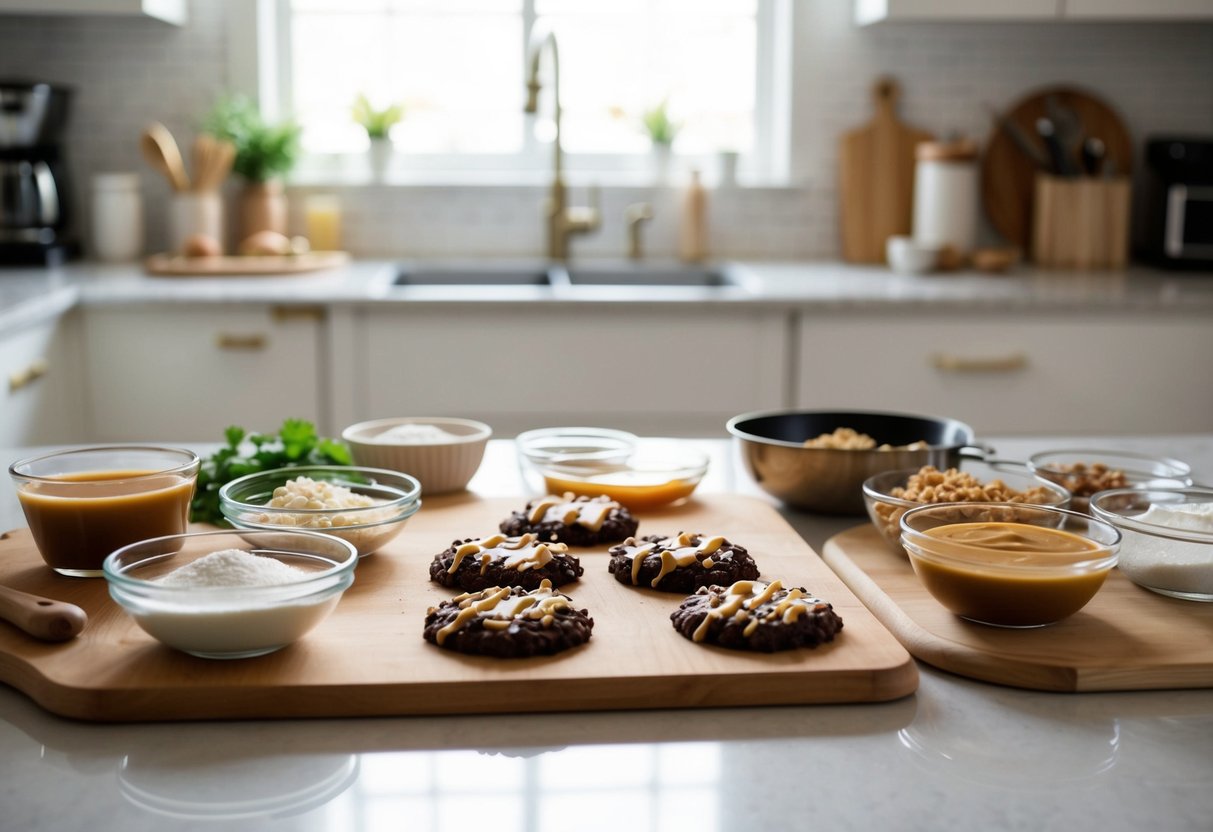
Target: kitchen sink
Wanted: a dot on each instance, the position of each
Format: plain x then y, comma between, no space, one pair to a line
643,274
598,277
471,275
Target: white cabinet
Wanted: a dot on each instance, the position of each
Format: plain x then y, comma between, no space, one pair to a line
40,391
1003,374
161,373
877,11
170,11
651,369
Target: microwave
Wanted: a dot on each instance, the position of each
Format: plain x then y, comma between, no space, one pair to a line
1177,217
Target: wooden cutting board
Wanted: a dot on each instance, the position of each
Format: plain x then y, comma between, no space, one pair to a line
1126,638
169,265
368,657
876,179
1008,176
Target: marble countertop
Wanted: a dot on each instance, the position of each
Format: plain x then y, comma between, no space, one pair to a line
957,755
30,295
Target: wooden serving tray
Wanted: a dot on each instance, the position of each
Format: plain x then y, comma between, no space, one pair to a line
1126,638
170,265
368,657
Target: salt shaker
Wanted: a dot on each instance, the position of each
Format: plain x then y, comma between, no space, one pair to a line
945,196
117,218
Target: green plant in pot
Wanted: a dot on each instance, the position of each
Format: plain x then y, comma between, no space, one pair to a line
378,124
661,130
264,154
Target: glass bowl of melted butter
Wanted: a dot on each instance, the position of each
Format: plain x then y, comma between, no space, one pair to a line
1009,564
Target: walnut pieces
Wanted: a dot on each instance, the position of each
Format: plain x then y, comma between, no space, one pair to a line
1083,480
849,439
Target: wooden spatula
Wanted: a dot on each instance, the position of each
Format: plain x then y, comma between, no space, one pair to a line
42,618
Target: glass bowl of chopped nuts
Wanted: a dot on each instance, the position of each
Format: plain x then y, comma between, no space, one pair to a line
363,506
1085,472
889,495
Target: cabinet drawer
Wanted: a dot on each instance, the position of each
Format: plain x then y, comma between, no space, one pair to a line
1051,375
161,374
39,391
655,371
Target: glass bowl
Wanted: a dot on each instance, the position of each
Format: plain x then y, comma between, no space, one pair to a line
1072,470
244,502
239,620
885,509
544,445
82,504
1017,566
658,473
1168,545
442,460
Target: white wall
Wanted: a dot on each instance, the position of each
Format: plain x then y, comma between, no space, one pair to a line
129,71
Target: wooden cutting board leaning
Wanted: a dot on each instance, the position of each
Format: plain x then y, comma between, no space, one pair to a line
368,658
1126,638
876,178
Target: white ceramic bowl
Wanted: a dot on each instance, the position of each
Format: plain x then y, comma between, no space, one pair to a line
442,464
909,257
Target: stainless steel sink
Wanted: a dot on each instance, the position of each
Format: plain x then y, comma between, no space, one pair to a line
487,274
643,274
597,277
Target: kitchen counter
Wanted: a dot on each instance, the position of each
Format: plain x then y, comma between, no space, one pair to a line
957,755
30,294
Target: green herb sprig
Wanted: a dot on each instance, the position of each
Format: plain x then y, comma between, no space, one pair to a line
295,444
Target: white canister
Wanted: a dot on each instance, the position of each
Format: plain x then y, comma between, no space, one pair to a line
945,196
117,218
195,213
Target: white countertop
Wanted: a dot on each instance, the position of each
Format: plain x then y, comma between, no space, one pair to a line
30,295
957,755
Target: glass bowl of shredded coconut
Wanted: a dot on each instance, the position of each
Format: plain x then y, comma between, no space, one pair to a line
1167,544
442,452
231,594
364,506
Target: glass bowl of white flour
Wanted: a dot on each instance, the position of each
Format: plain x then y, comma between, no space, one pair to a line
231,594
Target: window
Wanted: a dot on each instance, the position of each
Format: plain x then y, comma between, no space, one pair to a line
458,68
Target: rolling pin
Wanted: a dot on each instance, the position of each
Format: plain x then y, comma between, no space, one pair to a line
42,618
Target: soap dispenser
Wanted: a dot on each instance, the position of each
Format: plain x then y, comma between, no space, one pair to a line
693,239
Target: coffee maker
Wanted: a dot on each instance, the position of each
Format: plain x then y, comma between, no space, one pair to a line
34,196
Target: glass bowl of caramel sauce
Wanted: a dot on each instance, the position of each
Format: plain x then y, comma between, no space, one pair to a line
1009,564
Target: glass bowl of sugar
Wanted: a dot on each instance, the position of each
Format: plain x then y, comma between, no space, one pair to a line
231,594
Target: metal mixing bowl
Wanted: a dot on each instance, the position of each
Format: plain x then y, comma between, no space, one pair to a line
829,480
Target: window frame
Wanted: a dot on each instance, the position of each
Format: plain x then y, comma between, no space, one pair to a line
260,65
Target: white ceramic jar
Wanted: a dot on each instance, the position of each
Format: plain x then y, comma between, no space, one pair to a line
945,196
117,218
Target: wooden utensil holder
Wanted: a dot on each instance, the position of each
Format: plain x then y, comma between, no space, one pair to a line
1081,223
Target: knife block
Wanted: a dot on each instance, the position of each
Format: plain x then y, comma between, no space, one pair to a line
1081,223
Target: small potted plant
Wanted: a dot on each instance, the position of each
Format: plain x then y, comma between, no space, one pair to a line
378,124
264,154
662,130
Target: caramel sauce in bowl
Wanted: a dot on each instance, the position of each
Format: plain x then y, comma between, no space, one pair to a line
1009,565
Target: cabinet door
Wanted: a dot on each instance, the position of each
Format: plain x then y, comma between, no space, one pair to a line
40,396
655,371
1139,9
161,374
1038,374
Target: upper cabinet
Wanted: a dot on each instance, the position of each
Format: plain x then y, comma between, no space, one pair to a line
876,11
170,11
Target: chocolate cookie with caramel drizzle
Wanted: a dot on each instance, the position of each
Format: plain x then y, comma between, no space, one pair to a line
577,521
477,563
753,615
682,563
508,622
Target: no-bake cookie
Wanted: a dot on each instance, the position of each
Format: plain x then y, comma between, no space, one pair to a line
508,622
682,563
753,615
478,563
577,521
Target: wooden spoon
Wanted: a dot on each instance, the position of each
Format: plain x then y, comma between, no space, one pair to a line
42,618
160,150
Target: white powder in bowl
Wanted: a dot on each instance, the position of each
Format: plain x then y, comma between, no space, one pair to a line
1192,517
233,567
1167,565
414,434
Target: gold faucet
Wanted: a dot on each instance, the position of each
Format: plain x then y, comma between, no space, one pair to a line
634,216
563,221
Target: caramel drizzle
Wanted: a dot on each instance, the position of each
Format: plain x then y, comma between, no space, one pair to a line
568,509
494,605
521,553
682,552
741,603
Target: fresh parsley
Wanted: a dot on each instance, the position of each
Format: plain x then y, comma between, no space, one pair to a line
296,443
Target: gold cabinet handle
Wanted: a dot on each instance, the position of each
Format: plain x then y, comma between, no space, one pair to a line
248,343
948,363
23,378
285,314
